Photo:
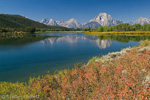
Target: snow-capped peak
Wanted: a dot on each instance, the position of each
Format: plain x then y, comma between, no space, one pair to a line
44,20
72,20
142,21
105,19
103,14
49,22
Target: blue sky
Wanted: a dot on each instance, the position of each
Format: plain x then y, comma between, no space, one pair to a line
82,10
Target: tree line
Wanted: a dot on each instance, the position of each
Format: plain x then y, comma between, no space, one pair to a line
124,27
32,29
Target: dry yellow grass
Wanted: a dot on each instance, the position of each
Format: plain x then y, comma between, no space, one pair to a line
129,33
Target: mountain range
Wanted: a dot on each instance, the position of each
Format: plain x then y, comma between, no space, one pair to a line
103,19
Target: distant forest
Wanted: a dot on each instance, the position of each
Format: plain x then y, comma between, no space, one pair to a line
124,27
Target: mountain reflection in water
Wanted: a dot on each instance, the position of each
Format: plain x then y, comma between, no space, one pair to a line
102,44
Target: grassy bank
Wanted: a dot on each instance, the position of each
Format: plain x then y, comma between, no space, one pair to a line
119,75
129,33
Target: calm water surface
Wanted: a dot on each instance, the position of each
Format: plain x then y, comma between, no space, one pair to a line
19,62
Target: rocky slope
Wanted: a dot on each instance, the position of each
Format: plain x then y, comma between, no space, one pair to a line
49,22
72,23
91,25
105,20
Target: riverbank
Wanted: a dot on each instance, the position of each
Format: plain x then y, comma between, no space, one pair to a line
129,33
117,75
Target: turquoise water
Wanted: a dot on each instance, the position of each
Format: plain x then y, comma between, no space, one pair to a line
19,62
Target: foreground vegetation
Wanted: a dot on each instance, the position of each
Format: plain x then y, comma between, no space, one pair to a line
120,75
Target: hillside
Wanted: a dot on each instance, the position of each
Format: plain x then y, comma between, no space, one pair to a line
17,21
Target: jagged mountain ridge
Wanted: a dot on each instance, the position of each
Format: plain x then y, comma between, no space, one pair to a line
72,23
103,19
49,22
